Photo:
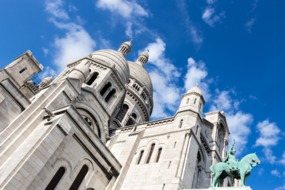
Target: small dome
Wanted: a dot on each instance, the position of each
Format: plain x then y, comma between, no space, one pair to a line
195,89
139,73
108,56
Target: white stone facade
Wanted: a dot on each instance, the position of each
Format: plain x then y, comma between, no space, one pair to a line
89,129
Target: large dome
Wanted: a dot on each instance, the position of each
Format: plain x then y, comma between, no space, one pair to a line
138,73
108,56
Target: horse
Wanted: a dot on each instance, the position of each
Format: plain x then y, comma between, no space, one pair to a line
222,170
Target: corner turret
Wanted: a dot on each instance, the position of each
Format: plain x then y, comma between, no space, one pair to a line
192,100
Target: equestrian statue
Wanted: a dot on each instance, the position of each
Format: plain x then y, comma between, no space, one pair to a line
233,168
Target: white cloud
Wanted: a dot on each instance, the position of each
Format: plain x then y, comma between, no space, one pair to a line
124,8
131,13
275,173
163,64
164,76
269,134
129,31
76,42
166,95
54,7
210,17
239,126
196,74
268,137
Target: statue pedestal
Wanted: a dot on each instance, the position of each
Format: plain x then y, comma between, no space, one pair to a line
224,188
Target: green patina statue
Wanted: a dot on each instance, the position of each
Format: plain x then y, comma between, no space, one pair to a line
234,168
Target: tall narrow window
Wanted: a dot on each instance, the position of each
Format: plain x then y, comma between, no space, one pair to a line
106,87
120,116
197,129
140,157
187,101
158,154
79,178
181,122
195,100
109,96
150,153
56,178
22,70
92,78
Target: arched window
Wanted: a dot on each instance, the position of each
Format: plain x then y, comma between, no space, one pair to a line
132,119
121,114
130,122
109,96
195,100
56,178
105,88
150,153
134,116
187,101
79,178
140,157
158,154
92,78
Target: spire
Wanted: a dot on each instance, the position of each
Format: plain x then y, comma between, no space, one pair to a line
143,58
125,47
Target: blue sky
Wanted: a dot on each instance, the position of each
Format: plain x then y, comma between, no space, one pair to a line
233,49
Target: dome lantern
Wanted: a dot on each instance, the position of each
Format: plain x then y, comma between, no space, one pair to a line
125,47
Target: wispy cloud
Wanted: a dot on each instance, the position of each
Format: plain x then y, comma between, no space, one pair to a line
249,24
124,8
164,76
276,173
280,188
252,20
130,12
210,16
55,8
192,30
76,41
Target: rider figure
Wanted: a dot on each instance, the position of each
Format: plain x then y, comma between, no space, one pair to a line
231,159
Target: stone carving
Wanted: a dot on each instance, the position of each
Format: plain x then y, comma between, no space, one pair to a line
233,168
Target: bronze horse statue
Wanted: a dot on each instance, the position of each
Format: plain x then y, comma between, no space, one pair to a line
242,171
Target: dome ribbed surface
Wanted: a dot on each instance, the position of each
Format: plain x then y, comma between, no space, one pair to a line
138,73
115,58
